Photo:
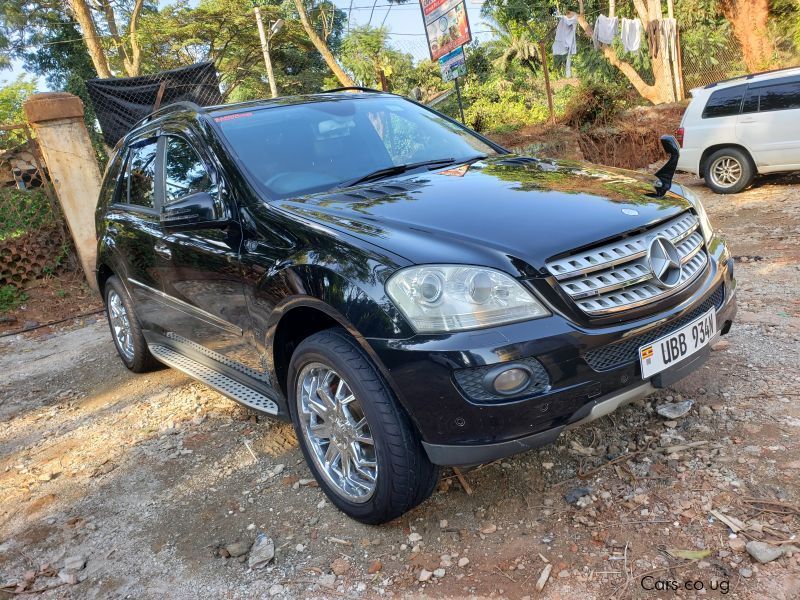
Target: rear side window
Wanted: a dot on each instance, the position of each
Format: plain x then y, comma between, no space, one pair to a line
184,172
780,97
142,174
724,103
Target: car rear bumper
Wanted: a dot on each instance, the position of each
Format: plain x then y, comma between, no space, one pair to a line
589,371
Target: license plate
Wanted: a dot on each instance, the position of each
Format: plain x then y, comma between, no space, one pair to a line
673,348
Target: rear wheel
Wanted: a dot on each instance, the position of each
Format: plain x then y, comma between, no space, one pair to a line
729,171
360,445
125,329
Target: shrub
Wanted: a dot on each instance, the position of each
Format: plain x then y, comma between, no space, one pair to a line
593,104
11,298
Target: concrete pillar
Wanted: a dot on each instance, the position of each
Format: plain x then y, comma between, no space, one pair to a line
57,119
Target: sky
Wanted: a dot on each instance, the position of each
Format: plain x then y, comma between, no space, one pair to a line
404,22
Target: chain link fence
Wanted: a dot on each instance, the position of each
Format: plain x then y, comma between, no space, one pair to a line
34,241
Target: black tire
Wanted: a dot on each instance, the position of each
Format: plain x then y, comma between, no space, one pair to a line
715,171
137,357
405,476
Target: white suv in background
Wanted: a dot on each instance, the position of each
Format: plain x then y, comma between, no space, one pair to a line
735,129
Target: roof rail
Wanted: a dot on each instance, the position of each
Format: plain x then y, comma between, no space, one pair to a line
749,76
354,88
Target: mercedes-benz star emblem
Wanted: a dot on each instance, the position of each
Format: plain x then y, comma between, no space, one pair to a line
630,211
665,262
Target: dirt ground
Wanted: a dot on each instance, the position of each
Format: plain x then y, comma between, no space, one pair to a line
114,485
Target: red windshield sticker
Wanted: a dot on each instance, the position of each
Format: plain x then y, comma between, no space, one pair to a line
224,118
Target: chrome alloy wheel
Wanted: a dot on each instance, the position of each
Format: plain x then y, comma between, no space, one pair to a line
120,325
337,433
726,171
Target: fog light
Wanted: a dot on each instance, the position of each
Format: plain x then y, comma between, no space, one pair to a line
511,381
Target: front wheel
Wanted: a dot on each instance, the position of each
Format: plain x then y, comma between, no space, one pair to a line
729,171
125,329
361,447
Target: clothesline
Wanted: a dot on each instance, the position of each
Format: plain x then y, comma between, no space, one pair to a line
661,35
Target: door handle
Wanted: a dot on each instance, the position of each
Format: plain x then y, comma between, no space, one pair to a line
162,250
747,120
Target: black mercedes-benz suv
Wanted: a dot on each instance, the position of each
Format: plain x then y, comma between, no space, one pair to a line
407,292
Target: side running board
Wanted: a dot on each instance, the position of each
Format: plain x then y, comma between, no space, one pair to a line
214,379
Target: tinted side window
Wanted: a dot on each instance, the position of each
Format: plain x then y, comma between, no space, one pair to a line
141,174
751,101
780,97
110,180
184,172
724,103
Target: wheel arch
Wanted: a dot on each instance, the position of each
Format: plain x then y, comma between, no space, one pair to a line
711,149
300,317
104,273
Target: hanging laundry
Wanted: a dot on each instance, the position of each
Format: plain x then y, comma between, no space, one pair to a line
653,35
565,40
669,38
605,29
631,34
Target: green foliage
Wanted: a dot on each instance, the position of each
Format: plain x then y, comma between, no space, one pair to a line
225,32
500,105
23,210
12,97
593,104
11,298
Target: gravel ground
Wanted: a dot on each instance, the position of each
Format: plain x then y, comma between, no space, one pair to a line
114,485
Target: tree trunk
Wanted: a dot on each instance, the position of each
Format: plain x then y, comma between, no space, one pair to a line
322,47
662,90
748,18
548,89
91,38
133,66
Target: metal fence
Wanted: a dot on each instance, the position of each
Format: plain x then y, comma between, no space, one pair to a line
34,241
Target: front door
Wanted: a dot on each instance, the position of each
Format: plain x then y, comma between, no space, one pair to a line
133,220
201,275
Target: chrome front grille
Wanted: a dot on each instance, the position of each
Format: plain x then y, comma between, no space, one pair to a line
618,276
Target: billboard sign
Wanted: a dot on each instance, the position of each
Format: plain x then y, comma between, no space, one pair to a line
446,25
453,64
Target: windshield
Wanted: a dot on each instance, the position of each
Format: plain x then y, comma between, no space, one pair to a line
299,149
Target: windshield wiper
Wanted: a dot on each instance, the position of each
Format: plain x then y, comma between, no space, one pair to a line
398,170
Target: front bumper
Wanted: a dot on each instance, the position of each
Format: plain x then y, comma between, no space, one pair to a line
458,430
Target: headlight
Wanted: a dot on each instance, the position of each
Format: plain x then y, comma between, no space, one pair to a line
441,298
705,224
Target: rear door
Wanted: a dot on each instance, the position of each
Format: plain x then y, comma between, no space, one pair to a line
202,277
133,224
769,125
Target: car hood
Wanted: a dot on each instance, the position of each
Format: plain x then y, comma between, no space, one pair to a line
495,212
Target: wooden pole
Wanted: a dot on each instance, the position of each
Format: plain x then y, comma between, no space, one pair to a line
548,89
460,105
611,8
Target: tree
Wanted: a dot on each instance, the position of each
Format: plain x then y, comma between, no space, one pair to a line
663,88
749,19
322,46
12,97
63,60
367,55
516,45
99,21
224,32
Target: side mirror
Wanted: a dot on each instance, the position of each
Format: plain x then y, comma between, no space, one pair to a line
667,172
195,211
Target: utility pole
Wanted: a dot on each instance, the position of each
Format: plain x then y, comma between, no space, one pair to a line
265,39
